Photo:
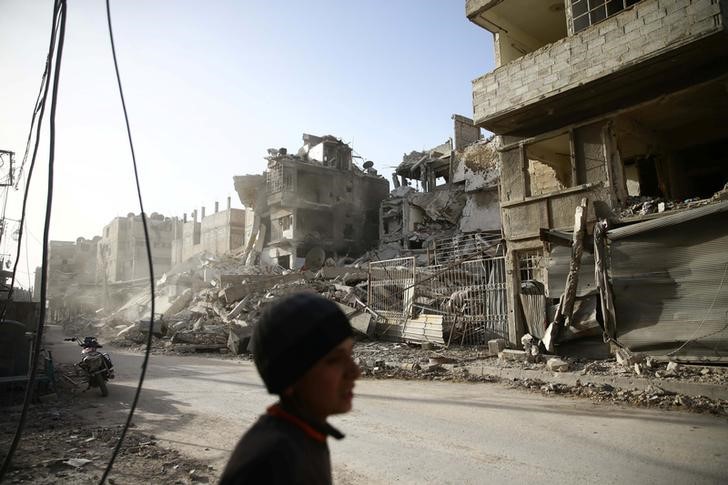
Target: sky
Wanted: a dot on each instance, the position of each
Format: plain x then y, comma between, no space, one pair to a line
209,86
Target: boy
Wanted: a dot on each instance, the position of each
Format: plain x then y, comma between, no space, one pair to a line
303,351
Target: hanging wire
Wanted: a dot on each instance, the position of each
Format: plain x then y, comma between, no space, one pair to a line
117,449
59,12
40,110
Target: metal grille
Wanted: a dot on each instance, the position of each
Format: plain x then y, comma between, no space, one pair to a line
529,265
465,246
391,294
589,12
470,296
278,180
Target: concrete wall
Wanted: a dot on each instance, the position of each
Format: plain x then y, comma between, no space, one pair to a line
481,212
335,209
223,231
650,29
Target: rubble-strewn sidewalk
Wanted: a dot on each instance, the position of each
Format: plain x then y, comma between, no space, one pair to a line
59,445
693,388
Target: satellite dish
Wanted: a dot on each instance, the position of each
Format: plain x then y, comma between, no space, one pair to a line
315,258
368,164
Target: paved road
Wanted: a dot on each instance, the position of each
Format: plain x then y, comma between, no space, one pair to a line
425,432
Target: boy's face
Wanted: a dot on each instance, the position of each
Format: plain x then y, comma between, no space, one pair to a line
327,388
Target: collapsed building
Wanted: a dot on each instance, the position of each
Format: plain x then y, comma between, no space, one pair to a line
316,202
451,188
618,107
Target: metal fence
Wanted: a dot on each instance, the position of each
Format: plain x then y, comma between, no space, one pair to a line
465,246
391,294
470,296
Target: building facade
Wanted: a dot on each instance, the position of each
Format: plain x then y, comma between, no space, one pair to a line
615,101
316,199
215,234
122,253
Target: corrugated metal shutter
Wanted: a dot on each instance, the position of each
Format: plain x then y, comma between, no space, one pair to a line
670,284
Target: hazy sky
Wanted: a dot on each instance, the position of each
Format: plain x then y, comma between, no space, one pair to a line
210,85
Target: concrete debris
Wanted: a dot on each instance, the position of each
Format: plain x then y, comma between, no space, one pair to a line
530,346
644,206
627,358
515,355
557,365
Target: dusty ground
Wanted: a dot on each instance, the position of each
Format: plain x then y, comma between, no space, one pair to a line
416,431
62,443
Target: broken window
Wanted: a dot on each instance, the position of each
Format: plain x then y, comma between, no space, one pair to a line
278,180
675,148
549,165
588,12
280,227
284,261
529,265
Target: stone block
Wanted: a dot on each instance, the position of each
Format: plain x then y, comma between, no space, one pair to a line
512,355
496,346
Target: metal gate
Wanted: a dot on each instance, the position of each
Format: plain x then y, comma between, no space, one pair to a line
470,296
391,294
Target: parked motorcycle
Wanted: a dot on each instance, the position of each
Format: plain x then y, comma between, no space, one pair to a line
96,366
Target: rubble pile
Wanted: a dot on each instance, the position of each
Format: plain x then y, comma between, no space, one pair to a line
58,446
210,304
653,396
648,367
642,205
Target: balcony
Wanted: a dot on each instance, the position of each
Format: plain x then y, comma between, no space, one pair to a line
653,48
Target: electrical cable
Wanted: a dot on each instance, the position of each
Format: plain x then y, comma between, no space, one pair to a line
117,449
44,86
59,11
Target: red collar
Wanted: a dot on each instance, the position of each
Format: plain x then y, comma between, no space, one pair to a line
277,411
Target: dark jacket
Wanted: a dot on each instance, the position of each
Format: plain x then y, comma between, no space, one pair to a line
281,448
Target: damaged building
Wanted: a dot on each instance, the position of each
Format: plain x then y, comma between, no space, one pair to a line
122,253
215,234
72,270
620,103
448,189
314,203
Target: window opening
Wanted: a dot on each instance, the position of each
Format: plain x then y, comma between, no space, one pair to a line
529,265
589,12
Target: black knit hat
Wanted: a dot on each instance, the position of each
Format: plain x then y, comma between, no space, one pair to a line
293,334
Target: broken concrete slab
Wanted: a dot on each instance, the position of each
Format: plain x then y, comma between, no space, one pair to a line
179,304
510,354
557,365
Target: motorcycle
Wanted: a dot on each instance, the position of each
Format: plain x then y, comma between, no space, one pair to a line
96,366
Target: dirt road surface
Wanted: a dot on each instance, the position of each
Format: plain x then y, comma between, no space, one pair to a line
420,431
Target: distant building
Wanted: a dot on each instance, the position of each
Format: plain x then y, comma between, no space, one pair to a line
317,199
72,268
122,253
215,234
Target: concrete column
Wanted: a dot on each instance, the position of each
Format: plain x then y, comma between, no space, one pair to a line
194,215
228,203
184,217
202,213
217,206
